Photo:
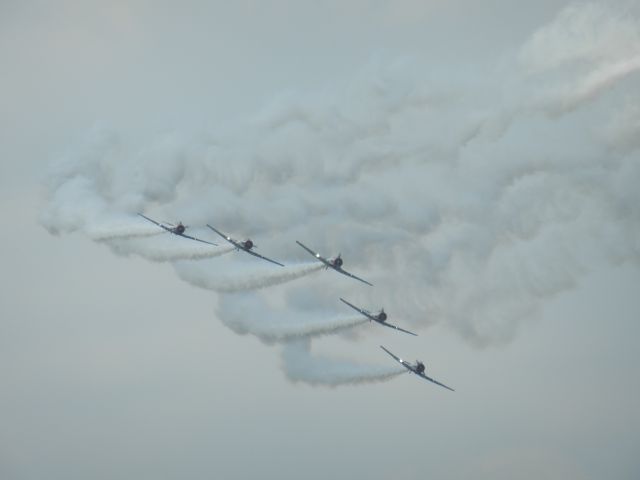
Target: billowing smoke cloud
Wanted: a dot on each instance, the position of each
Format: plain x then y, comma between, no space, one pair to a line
300,366
465,202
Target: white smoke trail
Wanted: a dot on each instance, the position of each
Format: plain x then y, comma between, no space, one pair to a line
106,231
168,248
592,85
103,234
587,49
254,279
271,327
300,366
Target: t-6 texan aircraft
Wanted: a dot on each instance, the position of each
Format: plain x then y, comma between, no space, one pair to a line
380,317
417,369
335,263
245,245
177,230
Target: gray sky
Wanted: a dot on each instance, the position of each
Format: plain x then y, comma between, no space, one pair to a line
477,162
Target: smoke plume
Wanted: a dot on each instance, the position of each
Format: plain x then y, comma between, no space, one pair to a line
254,278
300,366
467,203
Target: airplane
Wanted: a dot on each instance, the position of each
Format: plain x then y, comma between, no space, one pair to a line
417,369
177,230
335,263
245,245
381,317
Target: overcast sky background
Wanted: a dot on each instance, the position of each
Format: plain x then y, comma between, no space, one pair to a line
112,366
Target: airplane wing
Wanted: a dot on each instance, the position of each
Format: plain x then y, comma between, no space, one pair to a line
344,272
435,381
240,246
317,255
196,239
262,257
228,239
158,224
396,328
359,310
410,368
398,359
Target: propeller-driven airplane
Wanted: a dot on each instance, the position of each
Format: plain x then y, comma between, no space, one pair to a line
380,317
177,230
335,263
417,369
245,245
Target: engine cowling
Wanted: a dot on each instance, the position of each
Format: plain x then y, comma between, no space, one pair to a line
248,244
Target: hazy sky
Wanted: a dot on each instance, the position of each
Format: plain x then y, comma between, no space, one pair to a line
477,161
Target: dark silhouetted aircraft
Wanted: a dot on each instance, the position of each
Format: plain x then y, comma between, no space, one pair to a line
380,317
177,230
335,263
246,245
418,369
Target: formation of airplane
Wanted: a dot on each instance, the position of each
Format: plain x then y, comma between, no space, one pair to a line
177,230
380,317
417,369
246,245
335,263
